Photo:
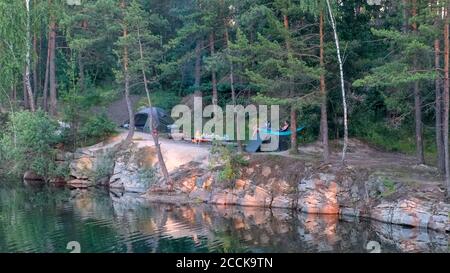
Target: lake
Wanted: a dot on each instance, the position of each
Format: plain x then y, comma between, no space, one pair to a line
45,219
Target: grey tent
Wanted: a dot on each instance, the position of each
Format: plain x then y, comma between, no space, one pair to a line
161,118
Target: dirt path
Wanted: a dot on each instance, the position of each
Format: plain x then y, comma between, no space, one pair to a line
175,153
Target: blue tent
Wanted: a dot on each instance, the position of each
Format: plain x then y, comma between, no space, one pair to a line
160,117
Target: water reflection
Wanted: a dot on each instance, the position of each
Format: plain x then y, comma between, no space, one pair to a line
45,220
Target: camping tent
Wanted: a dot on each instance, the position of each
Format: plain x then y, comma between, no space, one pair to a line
161,118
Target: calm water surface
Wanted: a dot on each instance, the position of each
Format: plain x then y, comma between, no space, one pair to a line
46,219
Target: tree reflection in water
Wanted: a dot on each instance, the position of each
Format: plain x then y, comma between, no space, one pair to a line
46,219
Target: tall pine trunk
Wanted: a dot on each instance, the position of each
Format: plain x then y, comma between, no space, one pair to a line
293,113
233,90
52,68
26,102
213,70
153,128
198,67
438,109
405,23
35,69
294,142
27,76
46,78
14,93
323,93
446,100
341,70
126,74
81,77
418,124
417,101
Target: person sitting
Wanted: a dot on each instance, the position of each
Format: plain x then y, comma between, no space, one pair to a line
285,126
284,139
198,137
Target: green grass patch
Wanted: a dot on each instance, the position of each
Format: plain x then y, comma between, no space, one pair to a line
389,187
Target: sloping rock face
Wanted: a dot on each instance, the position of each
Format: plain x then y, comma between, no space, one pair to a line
135,169
318,194
82,167
131,169
85,162
128,168
414,213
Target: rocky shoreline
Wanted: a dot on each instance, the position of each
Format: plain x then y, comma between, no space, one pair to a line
343,191
273,181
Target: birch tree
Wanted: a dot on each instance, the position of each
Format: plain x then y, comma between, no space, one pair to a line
341,73
27,80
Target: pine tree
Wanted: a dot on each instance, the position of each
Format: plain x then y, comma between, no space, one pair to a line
12,48
189,42
278,66
446,95
436,10
319,10
90,29
52,58
403,70
124,75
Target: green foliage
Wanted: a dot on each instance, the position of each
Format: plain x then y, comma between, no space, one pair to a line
29,144
147,176
393,74
280,76
100,95
165,100
389,187
92,43
12,43
392,139
382,60
84,127
96,128
230,161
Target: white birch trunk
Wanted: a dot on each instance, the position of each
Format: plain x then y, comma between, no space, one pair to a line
341,69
